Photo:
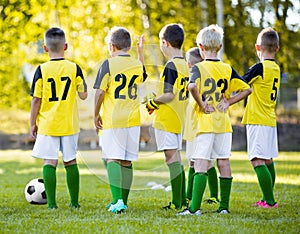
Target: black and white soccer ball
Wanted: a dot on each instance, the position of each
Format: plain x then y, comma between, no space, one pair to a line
35,192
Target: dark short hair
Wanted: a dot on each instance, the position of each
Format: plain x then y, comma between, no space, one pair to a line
193,56
55,39
269,39
174,34
120,38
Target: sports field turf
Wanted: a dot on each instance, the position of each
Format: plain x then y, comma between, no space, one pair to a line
144,215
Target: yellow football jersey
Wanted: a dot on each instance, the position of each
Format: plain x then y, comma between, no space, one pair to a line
119,78
56,82
264,79
214,78
174,78
191,126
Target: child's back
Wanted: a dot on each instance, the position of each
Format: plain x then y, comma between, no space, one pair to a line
119,79
265,84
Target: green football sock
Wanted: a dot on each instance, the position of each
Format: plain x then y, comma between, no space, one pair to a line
225,189
265,182
127,176
175,177
272,171
72,177
213,182
199,185
183,197
190,182
49,176
115,180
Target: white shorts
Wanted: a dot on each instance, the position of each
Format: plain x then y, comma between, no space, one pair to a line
121,143
190,148
48,147
211,146
262,142
167,140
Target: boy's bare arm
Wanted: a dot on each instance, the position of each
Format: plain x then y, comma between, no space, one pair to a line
164,98
99,96
225,103
203,105
154,102
140,48
34,111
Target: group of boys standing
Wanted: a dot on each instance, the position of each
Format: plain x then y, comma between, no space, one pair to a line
191,102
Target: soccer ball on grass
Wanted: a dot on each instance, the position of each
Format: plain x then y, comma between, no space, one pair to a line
35,192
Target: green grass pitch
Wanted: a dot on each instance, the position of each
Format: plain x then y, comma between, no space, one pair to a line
144,215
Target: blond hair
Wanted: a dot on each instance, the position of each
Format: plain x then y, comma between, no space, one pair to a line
210,38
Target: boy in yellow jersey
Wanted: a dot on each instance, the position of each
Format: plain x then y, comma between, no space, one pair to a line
215,80
54,120
191,128
260,117
170,106
117,114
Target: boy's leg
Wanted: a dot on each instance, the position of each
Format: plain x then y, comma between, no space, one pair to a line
213,182
115,180
200,179
127,176
265,182
225,189
183,196
176,176
272,171
190,182
176,183
72,177
49,177
198,190
225,183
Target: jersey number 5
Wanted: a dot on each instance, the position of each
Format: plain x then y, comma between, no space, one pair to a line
275,90
54,97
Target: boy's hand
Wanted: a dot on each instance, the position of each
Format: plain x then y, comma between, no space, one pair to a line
150,104
207,109
98,122
33,131
223,105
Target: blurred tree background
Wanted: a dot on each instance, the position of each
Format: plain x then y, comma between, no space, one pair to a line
86,23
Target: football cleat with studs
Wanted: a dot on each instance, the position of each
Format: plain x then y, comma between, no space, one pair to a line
188,212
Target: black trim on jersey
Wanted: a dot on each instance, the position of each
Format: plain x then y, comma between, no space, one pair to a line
170,75
79,73
57,59
213,60
37,75
254,71
104,69
235,75
179,57
145,75
194,74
